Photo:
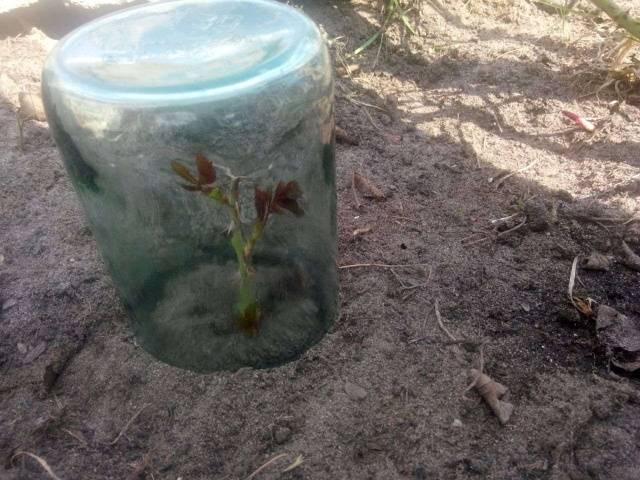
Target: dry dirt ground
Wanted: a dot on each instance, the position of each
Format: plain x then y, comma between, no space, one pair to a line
477,93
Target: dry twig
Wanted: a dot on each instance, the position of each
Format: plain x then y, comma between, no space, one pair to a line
382,265
501,180
441,324
511,230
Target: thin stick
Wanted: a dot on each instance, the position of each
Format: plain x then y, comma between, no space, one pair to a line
74,435
495,117
259,469
43,463
523,169
479,240
382,265
439,319
128,424
375,63
397,277
572,280
480,370
411,287
353,190
506,232
503,219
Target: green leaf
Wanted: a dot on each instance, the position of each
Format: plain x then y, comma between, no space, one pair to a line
217,195
407,23
368,43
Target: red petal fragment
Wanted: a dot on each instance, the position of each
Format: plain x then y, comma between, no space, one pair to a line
578,120
184,172
206,172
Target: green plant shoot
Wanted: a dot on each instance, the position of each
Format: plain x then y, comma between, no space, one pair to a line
243,238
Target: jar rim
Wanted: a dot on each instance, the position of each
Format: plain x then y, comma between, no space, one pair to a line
185,50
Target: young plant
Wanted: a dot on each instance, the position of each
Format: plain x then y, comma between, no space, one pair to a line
243,238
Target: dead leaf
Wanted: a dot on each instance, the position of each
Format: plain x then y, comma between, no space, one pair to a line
596,261
362,231
344,138
630,367
630,259
583,306
350,69
366,188
620,337
31,107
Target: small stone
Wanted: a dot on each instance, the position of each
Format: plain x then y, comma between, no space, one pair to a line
355,392
607,316
479,465
63,289
22,348
526,307
537,216
9,303
457,423
570,316
281,435
420,473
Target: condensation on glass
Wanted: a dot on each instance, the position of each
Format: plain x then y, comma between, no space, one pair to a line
198,135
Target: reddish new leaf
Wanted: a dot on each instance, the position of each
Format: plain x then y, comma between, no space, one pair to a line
184,172
206,172
286,197
262,202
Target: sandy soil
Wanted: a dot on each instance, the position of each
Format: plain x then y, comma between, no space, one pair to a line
475,95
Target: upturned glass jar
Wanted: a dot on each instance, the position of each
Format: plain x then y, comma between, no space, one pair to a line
198,135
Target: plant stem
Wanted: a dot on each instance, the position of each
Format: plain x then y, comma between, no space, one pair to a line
618,15
247,312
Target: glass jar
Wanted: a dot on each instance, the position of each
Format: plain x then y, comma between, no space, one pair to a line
198,135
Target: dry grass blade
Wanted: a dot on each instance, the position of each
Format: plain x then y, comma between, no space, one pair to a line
128,424
265,465
43,463
572,280
296,463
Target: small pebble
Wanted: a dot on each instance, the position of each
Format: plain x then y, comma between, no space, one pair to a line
9,303
281,435
457,423
22,348
355,392
526,307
